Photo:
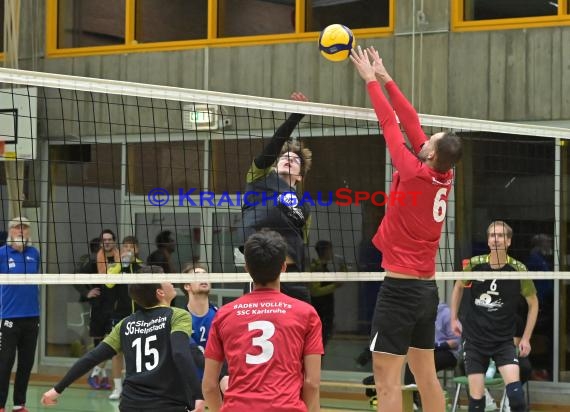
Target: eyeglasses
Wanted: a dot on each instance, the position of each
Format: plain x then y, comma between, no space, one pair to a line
292,159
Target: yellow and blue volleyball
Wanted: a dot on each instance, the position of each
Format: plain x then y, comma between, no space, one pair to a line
335,42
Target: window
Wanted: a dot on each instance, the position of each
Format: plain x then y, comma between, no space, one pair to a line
83,23
82,27
356,14
508,14
172,20
255,17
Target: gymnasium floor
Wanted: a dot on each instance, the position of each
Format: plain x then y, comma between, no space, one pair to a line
87,400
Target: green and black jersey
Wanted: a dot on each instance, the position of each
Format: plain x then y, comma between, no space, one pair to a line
152,376
262,203
489,307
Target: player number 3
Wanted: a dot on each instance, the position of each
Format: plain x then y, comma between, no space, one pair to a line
439,205
267,331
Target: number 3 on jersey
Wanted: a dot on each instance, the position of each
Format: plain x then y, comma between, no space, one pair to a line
439,205
267,331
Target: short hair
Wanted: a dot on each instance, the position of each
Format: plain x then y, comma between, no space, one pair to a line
95,244
508,229
189,268
322,246
265,252
150,269
107,231
163,238
304,153
144,294
448,149
131,240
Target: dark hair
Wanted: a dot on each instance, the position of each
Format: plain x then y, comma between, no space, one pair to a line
144,294
322,246
265,253
150,269
95,244
107,231
131,240
448,150
163,238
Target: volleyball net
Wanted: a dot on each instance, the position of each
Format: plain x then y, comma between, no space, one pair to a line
168,166
144,160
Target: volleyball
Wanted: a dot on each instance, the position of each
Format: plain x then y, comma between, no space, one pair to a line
335,42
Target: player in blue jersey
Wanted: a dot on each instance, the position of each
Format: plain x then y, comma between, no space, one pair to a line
19,312
203,313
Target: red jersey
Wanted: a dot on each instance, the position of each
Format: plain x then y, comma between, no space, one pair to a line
409,234
264,336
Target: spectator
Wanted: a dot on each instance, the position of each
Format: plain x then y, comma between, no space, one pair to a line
20,312
162,256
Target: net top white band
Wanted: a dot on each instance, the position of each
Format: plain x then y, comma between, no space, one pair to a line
116,87
73,278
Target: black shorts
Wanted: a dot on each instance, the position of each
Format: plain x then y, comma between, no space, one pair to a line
477,357
404,316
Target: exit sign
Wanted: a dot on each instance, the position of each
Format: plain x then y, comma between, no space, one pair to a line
200,117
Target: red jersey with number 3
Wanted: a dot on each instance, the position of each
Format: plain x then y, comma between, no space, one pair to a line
264,336
409,234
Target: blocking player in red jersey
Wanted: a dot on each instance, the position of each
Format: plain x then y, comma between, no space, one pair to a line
271,342
408,238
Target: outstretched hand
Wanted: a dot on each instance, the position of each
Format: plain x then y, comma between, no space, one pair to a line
298,96
381,73
361,61
50,397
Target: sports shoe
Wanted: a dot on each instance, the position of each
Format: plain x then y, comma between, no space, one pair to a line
115,395
22,409
104,383
93,381
506,407
490,404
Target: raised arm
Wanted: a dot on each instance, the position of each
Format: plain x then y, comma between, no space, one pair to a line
406,163
273,148
406,113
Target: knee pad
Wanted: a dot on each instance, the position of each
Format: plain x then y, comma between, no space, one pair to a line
515,393
476,405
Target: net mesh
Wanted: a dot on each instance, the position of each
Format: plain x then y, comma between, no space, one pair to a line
140,160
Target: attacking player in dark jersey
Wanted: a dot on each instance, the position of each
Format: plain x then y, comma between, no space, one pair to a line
408,238
271,199
272,342
488,319
160,372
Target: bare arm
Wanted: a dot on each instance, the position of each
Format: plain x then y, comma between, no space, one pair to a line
211,385
311,386
524,344
456,297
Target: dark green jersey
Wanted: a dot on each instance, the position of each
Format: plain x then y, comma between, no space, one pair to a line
144,337
489,307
